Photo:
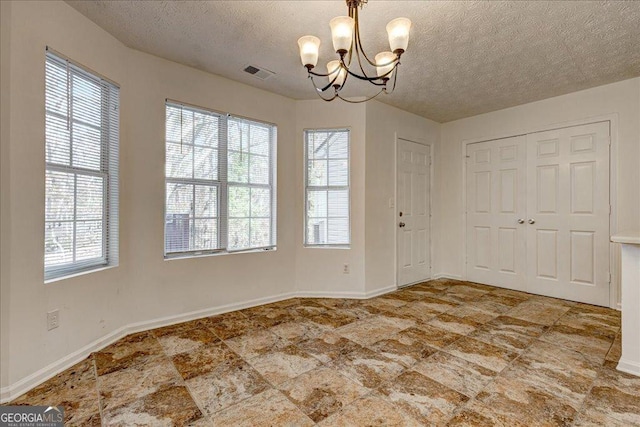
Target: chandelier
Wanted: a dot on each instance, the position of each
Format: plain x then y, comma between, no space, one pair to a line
345,33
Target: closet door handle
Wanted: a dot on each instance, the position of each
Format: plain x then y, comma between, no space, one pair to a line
520,221
402,224
532,221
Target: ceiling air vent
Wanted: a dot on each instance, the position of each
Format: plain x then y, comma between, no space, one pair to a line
258,72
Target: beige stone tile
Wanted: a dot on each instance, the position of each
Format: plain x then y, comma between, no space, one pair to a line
269,408
473,313
544,354
186,340
204,360
596,322
371,410
298,330
615,352
227,326
406,349
256,343
513,398
415,311
267,317
283,364
564,384
464,293
367,368
226,386
476,414
322,392
458,374
511,324
368,331
425,400
594,347
165,407
334,318
75,389
126,352
457,325
430,335
328,346
483,354
127,385
504,338
538,312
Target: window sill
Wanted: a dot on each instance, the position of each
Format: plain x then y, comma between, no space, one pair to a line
80,273
327,247
215,254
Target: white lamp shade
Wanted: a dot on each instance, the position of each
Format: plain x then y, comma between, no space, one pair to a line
385,61
335,71
398,31
309,46
342,32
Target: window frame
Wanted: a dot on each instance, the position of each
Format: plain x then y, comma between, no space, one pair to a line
108,170
327,187
222,183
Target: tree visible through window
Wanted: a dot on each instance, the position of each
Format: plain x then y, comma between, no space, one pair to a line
81,182
219,182
327,187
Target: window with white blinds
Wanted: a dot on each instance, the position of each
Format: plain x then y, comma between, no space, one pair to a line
220,175
327,188
81,183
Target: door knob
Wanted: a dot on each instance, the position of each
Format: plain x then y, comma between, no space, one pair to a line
520,221
402,224
532,221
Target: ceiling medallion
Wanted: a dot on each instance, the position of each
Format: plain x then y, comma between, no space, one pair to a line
345,33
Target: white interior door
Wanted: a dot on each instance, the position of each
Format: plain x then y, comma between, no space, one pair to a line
413,211
538,213
568,213
496,209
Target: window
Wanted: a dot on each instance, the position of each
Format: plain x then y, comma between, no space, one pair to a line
327,187
81,183
220,173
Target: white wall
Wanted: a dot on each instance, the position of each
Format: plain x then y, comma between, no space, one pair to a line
619,99
383,124
5,245
319,271
144,286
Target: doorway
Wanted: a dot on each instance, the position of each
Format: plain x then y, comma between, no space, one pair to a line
413,212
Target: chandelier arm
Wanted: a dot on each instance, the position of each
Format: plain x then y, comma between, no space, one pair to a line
319,91
372,79
395,79
361,101
313,82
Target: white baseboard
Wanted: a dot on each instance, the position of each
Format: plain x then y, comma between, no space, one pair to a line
27,383
629,367
447,276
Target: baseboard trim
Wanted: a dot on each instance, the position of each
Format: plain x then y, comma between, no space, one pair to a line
25,384
447,276
22,386
629,367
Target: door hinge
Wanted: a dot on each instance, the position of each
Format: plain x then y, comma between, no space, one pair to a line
610,209
609,274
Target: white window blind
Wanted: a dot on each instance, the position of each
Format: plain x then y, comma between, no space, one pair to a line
220,174
327,221
81,183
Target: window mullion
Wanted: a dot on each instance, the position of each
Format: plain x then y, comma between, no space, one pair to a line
223,164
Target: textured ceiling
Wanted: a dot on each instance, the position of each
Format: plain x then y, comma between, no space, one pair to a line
464,58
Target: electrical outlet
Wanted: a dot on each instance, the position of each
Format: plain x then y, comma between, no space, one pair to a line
345,269
53,319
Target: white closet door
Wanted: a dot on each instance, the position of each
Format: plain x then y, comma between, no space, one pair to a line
413,212
496,208
568,213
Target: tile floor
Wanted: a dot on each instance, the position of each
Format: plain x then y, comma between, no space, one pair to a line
439,353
